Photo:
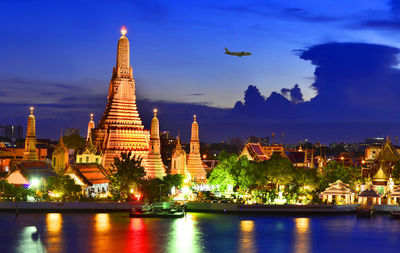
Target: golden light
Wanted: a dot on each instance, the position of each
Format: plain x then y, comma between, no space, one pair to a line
362,161
53,222
32,108
123,30
155,112
204,156
247,225
102,222
342,158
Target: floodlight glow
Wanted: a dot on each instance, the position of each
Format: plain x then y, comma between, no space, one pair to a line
35,182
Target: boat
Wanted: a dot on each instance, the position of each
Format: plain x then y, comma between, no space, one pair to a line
158,210
395,214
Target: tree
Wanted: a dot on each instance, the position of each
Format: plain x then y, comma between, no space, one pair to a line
173,180
279,170
396,173
64,186
337,171
234,171
12,192
74,141
127,173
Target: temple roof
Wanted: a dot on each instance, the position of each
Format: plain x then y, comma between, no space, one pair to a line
256,151
369,192
388,153
36,169
395,192
338,188
296,156
92,173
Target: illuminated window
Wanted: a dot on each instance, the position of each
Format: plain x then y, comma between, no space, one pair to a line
87,159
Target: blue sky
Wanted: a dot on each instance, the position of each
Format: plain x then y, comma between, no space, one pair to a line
61,53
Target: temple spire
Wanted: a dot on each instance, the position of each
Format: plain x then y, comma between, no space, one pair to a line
194,165
91,125
30,153
123,68
154,165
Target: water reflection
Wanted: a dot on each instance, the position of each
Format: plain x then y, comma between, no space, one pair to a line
54,237
138,237
30,240
247,236
102,222
302,235
184,236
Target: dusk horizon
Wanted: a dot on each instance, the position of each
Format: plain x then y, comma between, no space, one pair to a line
340,79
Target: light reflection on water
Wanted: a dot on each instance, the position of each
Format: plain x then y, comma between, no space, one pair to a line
184,235
54,233
302,235
116,232
247,236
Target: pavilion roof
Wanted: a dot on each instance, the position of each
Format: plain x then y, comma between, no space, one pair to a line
338,188
370,192
396,192
93,173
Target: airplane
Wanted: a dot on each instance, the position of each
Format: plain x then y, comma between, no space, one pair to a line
240,54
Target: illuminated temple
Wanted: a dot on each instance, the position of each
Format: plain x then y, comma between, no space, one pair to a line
121,129
30,153
194,164
153,163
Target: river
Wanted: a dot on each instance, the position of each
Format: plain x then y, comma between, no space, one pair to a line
197,232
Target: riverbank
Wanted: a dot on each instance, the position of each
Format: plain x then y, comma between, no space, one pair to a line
65,207
268,209
204,207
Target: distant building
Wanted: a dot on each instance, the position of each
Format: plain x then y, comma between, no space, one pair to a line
71,131
264,141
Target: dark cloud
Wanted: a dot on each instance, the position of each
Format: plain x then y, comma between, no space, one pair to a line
294,94
392,22
355,78
195,94
301,14
266,10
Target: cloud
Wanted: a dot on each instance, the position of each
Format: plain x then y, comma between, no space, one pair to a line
294,94
266,10
195,94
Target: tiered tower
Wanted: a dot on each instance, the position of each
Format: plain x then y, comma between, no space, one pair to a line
154,165
91,126
30,153
60,157
178,161
194,165
121,129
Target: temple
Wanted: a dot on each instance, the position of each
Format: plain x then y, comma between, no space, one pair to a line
178,161
30,153
153,164
91,126
380,164
60,158
194,164
121,129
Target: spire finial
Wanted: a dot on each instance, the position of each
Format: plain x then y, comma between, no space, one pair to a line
32,109
61,138
155,112
91,117
123,30
194,117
